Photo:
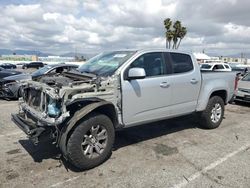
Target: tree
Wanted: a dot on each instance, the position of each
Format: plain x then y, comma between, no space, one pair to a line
174,32
169,36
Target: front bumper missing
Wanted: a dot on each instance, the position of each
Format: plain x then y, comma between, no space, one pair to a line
28,128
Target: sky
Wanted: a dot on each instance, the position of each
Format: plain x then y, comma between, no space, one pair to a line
89,26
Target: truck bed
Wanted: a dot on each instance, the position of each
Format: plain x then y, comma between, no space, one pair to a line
215,80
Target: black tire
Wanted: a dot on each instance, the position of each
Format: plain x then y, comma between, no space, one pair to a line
75,151
205,117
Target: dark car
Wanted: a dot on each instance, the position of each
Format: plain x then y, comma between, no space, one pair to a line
10,87
4,73
36,65
8,66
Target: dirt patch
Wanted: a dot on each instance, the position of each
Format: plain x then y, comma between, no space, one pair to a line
11,174
165,150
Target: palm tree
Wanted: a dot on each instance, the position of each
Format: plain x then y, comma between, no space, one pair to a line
168,24
169,38
182,34
174,33
177,29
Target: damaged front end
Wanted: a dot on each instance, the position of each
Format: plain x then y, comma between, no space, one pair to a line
46,106
40,111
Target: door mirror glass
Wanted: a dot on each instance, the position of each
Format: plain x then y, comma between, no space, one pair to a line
136,73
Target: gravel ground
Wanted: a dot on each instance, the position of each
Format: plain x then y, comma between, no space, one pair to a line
171,153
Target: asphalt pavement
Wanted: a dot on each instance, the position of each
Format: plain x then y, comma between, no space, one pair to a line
171,153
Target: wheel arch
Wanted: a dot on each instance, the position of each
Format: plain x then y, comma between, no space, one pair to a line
103,107
205,96
220,93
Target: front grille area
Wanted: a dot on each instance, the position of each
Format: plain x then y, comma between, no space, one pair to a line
35,98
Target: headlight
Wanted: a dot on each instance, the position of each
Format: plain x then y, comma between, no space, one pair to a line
54,108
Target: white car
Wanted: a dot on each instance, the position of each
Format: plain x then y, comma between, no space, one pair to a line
243,90
216,67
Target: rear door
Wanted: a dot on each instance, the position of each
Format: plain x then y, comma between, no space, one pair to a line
146,99
186,79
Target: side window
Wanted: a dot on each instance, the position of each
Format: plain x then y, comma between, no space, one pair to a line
216,67
153,64
181,62
57,70
227,66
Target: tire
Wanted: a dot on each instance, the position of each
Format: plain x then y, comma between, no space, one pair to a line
80,139
210,118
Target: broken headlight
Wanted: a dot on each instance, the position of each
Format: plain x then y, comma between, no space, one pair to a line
54,108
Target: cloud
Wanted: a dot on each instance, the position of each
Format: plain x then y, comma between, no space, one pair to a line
59,26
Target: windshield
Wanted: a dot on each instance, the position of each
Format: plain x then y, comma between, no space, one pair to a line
41,71
246,78
206,66
105,64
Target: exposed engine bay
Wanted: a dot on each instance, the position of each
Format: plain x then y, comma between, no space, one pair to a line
48,99
66,79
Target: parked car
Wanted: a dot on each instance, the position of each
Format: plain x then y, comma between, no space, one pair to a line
8,66
81,111
20,65
216,67
243,89
4,73
10,87
239,70
36,65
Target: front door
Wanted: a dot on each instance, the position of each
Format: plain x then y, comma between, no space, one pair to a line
147,99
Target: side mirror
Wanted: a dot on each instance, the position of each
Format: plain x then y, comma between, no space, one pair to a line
136,73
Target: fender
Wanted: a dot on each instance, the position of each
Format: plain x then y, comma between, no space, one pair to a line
63,137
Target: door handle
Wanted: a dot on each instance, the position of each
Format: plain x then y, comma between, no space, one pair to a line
194,81
164,85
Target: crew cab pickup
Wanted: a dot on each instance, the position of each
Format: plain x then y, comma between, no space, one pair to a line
80,111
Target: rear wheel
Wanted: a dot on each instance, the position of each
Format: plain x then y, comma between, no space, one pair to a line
90,144
212,116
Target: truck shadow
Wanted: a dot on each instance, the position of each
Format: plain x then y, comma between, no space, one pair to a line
145,132
124,138
244,104
42,151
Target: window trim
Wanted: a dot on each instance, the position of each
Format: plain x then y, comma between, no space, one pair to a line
172,62
125,73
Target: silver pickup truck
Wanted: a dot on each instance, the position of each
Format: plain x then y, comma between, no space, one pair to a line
80,111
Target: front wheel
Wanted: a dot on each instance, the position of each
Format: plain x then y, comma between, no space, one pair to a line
212,116
91,142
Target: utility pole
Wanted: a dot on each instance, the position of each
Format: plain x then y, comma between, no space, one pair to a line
241,57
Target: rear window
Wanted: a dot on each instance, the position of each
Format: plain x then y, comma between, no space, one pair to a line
181,62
